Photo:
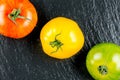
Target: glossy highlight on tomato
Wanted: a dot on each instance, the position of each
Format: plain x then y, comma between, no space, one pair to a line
61,38
103,61
17,18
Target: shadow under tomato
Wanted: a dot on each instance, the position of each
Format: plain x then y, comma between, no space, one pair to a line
42,20
79,61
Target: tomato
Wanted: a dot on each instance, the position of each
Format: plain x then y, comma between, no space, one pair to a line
17,18
61,38
103,61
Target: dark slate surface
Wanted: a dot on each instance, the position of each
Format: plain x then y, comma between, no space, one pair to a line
24,59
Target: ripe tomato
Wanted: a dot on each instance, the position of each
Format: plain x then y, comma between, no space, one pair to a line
61,38
17,18
103,62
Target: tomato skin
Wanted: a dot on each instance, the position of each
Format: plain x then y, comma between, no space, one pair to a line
69,38
20,27
106,55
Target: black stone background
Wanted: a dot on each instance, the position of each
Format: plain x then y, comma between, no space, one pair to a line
23,59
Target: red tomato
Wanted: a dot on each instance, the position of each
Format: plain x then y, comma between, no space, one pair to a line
17,18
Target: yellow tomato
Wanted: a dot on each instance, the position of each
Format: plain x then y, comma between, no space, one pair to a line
61,38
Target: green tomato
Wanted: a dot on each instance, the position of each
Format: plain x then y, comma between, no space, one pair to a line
103,61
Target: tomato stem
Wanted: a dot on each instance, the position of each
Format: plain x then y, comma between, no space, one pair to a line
103,69
16,14
56,43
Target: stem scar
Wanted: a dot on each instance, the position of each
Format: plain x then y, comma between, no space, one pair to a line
103,70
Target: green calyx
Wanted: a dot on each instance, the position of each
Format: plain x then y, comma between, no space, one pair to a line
16,14
56,43
103,70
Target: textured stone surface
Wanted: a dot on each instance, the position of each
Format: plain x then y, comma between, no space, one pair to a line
24,59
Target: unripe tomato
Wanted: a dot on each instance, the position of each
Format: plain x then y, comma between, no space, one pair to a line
61,38
103,61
